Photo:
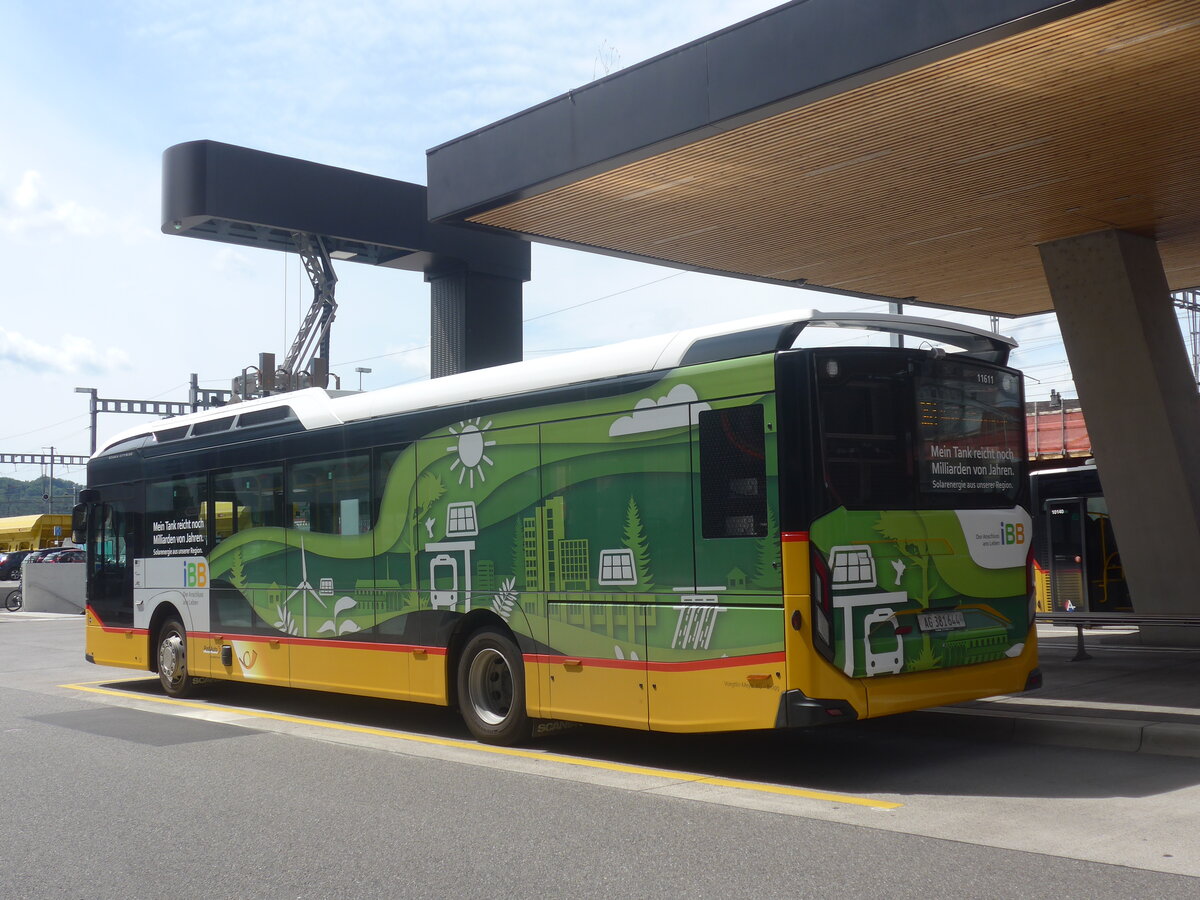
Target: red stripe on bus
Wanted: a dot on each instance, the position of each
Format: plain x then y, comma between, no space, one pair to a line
694,665
790,536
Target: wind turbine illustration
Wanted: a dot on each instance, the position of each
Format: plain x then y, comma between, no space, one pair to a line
305,587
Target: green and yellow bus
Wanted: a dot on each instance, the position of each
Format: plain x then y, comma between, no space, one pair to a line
704,531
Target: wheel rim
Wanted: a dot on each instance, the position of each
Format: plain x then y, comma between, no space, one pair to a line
171,663
490,684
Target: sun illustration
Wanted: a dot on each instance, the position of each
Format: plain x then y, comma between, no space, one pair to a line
471,450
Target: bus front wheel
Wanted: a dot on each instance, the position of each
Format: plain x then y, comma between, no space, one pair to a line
172,659
491,689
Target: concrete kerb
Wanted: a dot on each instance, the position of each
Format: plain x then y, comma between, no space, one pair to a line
1094,733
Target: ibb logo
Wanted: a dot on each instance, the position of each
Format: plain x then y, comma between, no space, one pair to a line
195,575
1012,532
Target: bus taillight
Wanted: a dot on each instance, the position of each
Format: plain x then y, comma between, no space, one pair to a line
822,603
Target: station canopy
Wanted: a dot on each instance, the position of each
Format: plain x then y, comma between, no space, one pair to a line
916,150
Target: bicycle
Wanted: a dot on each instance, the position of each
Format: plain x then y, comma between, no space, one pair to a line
13,601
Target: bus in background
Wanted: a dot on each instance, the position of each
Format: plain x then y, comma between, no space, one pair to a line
705,531
1077,566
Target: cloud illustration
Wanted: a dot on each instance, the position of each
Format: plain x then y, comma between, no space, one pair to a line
670,411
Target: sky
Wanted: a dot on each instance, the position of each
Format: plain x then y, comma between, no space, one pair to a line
96,296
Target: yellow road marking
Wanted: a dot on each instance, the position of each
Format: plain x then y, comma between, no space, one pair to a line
666,774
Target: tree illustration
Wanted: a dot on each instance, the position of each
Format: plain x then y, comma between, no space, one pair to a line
237,576
429,490
907,529
766,575
634,537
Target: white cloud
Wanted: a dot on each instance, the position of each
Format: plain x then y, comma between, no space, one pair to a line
28,210
666,412
73,355
26,194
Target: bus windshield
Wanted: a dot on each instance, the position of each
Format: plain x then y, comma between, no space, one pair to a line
898,431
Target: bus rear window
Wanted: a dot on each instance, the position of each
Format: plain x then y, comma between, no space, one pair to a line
901,431
866,415
971,433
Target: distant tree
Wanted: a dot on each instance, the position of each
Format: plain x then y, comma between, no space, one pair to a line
24,498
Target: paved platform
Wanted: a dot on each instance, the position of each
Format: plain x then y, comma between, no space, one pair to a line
1128,696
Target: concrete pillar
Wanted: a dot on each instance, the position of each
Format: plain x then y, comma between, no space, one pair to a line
475,320
1141,406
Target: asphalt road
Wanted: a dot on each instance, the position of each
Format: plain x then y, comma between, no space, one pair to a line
109,790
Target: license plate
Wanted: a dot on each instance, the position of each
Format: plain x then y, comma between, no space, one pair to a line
941,621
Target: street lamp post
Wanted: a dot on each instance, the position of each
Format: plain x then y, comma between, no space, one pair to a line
362,370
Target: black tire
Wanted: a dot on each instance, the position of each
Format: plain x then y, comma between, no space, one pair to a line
491,689
172,659
14,600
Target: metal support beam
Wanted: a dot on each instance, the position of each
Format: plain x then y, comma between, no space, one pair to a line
43,459
475,320
202,398
198,398
220,192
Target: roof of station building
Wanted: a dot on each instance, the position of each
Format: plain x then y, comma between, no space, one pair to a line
917,150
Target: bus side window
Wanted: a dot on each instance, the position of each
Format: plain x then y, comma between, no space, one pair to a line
178,513
248,498
733,472
331,496
110,539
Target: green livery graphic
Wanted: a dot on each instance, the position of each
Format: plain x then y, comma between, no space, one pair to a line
922,589
576,526
585,529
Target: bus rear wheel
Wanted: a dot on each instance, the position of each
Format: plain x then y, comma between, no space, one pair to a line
491,689
172,659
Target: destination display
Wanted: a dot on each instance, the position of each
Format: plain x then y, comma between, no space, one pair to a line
970,433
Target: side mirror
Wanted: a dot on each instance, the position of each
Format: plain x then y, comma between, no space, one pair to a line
79,523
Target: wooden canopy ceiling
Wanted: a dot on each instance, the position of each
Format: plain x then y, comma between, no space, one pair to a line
936,184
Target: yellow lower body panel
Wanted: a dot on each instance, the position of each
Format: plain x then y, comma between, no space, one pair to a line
891,694
126,648
584,691
729,698
258,661
347,669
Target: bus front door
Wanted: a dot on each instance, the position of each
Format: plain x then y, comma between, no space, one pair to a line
112,533
1068,555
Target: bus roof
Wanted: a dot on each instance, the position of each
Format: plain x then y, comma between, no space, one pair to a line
317,408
